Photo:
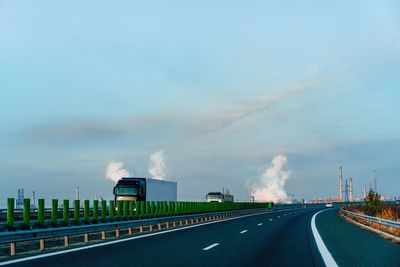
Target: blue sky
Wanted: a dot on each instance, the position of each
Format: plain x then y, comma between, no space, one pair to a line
222,87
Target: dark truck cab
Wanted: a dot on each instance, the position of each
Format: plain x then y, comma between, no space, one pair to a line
130,189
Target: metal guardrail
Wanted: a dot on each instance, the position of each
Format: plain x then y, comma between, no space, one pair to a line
373,219
35,234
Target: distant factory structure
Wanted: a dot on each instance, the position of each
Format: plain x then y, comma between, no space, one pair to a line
346,193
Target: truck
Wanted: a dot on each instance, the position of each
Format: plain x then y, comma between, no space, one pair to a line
219,197
144,189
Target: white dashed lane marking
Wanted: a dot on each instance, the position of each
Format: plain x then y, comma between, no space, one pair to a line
244,231
211,246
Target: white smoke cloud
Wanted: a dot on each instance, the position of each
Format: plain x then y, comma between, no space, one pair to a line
157,165
115,170
272,182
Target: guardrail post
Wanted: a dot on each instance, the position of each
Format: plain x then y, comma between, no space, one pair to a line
10,214
27,213
41,244
66,241
41,213
86,211
12,248
117,233
66,212
95,211
86,238
103,235
125,210
77,212
54,212
104,211
111,210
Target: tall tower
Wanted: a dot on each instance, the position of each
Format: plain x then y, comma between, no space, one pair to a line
77,193
340,183
365,191
351,189
375,188
346,192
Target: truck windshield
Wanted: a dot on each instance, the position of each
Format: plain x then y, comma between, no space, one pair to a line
214,196
127,191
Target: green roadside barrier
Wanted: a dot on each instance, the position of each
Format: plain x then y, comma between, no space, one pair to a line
40,212
27,213
164,208
152,209
54,212
131,209
157,211
86,211
77,212
111,210
10,214
103,211
119,209
95,211
142,209
125,210
66,212
148,211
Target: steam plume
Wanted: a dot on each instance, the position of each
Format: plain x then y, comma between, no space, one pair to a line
272,182
115,170
157,165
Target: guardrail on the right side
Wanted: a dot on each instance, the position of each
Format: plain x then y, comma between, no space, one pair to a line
373,219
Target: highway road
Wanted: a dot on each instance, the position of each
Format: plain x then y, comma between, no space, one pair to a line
281,238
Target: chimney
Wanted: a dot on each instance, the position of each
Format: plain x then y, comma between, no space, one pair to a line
351,189
340,183
365,191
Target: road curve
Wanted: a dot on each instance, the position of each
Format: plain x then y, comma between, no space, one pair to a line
281,238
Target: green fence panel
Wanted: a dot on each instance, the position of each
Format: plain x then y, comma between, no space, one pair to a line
86,211
103,211
77,212
142,209
27,213
111,210
119,209
131,209
54,212
10,213
40,212
95,211
66,212
125,210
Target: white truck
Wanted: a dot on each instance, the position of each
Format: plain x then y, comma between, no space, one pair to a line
145,189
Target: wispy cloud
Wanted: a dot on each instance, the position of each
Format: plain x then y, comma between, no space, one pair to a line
188,124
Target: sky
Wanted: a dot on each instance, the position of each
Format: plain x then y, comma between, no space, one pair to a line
221,87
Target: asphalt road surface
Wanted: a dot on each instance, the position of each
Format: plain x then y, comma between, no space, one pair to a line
281,238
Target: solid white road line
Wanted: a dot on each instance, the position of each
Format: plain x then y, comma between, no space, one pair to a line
278,216
244,231
270,220
326,255
211,246
259,224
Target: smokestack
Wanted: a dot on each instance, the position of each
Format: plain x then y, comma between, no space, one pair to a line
77,193
351,189
365,191
33,200
346,192
340,183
